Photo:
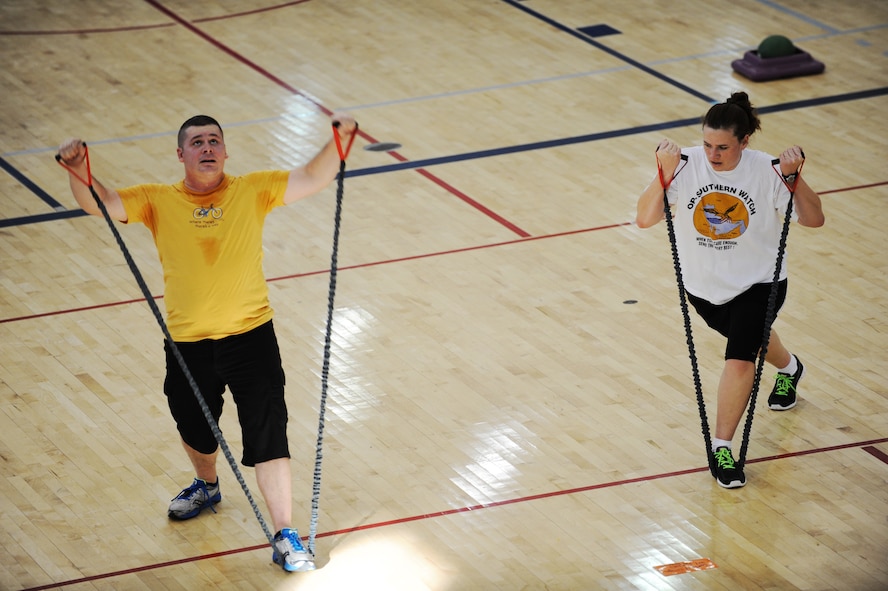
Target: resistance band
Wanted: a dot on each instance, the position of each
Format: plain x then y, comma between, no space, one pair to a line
770,313
325,371
698,388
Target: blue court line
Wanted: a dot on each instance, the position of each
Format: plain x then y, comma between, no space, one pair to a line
608,50
607,134
542,145
824,100
579,139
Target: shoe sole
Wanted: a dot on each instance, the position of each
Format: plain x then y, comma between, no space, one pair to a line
304,565
732,484
778,407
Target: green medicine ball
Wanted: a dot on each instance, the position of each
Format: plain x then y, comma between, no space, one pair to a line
775,46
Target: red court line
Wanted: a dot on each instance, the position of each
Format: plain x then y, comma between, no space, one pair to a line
341,268
486,211
246,12
876,453
526,238
256,67
453,251
865,445
250,64
158,26
879,184
72,310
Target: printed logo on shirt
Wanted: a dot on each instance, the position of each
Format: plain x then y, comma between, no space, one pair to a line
206,216
719,216
202,212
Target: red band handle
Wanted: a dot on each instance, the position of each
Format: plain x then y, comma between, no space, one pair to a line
88,180
775,164
663,182
343,154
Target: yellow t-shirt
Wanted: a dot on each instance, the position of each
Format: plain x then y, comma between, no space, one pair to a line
210,248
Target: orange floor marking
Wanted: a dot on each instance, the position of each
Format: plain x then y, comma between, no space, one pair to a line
680,568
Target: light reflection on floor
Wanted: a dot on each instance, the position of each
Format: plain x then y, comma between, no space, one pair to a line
352,331
497,452
370,563
295,132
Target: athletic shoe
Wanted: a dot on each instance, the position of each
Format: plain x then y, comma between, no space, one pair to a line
290,553
194,499
783,396
727,474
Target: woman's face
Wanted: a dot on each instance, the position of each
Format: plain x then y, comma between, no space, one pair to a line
723,149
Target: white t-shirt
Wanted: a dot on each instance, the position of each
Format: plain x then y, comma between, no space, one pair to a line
728,224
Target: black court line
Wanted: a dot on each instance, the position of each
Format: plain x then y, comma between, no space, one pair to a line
43,217
542,145
591,41
14,172
479,154
604,135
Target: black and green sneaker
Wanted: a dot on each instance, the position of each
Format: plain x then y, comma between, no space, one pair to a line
783,396
727,473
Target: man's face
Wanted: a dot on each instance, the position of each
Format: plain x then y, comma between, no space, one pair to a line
203,150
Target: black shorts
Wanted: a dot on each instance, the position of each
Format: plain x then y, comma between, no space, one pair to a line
741,320
250,365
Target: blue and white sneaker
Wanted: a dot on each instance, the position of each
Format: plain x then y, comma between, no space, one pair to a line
290,553
194,499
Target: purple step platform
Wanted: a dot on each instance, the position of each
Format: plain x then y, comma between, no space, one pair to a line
773,68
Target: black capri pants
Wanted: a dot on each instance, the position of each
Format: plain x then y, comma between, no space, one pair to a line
249,364
741,320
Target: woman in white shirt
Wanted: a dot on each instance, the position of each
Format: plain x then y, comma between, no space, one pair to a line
729,205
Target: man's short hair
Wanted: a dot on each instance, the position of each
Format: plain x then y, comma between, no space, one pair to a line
196,121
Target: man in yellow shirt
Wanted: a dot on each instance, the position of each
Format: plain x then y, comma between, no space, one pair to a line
208,233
